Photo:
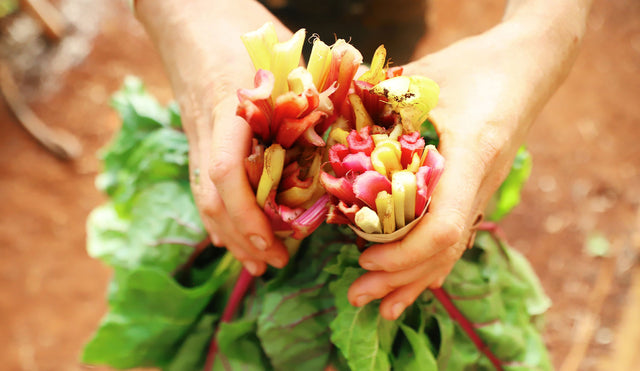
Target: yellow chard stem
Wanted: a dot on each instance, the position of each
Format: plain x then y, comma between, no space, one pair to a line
297,196
259,44
367,220
284,58
339,136
385,158
403,189
396,132
415,163
379,138
384,204
362,116
398,193
319,62
271,173
300,80
376,73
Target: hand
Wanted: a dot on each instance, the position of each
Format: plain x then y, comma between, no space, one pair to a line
492,87
219,143
206,62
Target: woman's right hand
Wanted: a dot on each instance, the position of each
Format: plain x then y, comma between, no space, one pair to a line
206,63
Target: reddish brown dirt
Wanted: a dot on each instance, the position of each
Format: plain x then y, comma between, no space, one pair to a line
585,178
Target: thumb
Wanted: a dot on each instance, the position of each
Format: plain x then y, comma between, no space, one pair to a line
446,224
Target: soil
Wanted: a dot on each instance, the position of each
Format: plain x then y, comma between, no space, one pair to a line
585,182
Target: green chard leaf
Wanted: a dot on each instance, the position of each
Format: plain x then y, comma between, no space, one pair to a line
149,147
150,315
415,354
297,307
508,195
162,232
429,133
161,155
494,287
361,334
239,348
293,327
191,354
141,114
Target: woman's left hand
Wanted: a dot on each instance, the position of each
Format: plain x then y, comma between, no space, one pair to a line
492,88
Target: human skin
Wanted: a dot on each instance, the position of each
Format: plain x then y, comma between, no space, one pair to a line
492,86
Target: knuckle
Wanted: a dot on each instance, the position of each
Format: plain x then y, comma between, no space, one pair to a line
221,166
384,285
452,253
491,144
449,232
404,261
213,208
248,216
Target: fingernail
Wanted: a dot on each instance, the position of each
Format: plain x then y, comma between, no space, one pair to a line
397,310
369,265
362,300
251,266
258,242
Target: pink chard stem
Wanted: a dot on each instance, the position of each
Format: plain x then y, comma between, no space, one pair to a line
466,325
245,280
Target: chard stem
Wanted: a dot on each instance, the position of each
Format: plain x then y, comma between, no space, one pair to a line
466,325
245,279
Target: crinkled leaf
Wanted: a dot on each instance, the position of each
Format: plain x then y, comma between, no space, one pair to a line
348,257
457,352
415,354
191,354
508,195
141,114
495,288
162,232
149,316
239,347
293,326
359,333
297,307
162,155
527,285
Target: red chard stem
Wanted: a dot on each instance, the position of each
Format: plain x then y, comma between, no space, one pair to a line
466,325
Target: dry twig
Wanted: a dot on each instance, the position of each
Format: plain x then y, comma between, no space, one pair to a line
59,142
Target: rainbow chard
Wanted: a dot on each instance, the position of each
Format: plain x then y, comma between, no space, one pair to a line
383,173
288,111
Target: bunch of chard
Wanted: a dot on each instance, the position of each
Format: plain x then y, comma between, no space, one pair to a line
383,174
289,110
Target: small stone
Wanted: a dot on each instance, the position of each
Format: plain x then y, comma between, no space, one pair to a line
580,189
554,224
547,183
604,336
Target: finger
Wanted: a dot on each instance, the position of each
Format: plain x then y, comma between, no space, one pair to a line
220,227
229,148
202,195
378,284
392,306
446,222
209,204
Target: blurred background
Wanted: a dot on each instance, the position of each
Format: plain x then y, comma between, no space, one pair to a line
578,223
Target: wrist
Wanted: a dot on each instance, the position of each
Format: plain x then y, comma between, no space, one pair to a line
200,46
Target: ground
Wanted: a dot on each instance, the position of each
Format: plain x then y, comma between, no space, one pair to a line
585,180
